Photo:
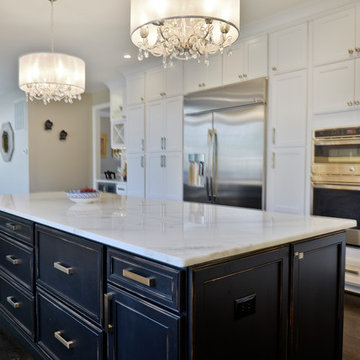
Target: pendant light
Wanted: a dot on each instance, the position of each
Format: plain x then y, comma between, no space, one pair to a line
50,76
184,29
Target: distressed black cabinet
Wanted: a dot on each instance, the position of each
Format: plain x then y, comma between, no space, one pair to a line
317,298
240,308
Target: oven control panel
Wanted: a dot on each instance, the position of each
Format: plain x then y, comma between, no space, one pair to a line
337,132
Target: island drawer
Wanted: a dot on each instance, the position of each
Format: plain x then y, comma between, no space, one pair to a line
160,283
71,268
63,334
16,259
17,227
18,304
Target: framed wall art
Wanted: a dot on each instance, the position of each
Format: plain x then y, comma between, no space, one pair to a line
7,141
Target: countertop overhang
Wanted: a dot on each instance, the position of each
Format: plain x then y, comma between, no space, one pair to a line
176,233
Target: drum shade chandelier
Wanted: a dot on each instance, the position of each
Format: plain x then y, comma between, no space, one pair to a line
50,76
184,29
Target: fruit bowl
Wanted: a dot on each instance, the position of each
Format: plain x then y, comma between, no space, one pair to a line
83,196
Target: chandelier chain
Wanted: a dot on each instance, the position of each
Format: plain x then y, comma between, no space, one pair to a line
52,25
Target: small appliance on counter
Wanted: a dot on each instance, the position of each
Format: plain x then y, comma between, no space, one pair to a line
336,188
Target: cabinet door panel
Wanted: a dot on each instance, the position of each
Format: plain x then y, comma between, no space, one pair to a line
136,175
135,129
174,79
213,71
318,287
233,66
333,87
154,176
174,114
357,83
287,181
155,126
135,89
256,57
154,84
240,308
141,330
289,108
333,36
173,176
288,49
194,75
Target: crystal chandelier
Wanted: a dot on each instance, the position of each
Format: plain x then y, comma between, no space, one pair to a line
184,29
51,76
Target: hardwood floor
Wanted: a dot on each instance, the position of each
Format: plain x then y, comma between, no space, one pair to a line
351,328
10,350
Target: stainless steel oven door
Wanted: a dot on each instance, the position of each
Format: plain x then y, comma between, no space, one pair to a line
339,201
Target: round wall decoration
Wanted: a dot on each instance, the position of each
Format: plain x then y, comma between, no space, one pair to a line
6,141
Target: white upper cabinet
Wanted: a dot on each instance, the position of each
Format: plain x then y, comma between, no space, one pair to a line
198,76
289,49
334,37
135,88
135,141
136,175
161,83
164,125
288,108
333,87
286,192
249,60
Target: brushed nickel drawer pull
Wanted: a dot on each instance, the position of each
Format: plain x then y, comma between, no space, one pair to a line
354,272
12,301
62,268
148,281
10,258
68,344
13,227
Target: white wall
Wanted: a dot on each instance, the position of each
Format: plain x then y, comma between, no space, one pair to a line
60,165
14,175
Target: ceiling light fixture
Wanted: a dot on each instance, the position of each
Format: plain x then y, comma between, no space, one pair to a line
184,29
50,76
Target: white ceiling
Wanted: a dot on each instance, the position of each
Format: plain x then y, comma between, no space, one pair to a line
94,30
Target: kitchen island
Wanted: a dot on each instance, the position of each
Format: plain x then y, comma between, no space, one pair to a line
132,278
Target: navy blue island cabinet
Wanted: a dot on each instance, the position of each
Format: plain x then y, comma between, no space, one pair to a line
66,297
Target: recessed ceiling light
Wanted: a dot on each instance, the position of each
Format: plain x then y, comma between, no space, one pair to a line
127,56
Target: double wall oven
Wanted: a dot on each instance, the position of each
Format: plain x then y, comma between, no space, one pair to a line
336,187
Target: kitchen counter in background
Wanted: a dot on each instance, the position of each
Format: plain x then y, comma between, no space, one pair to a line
176,233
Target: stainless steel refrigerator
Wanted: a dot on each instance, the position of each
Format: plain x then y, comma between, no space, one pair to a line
224,145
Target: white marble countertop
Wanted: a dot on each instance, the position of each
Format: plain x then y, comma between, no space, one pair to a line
177,233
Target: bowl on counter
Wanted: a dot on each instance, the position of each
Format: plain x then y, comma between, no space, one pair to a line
83,197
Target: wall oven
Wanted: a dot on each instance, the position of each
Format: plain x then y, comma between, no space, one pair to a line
336,187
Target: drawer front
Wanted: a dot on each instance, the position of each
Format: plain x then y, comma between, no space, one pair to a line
71,267
154,281
65,335
19,304
16,259
20,228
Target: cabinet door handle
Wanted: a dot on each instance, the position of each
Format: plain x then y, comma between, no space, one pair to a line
12,301
356,102
240,76
273,135
354,272
350,51
13,227
357,49
141,98
68,344
142,161
65,269
14,261
148,281
142,144
164,143
299,255
273,160
350,103
274,68
164,161
107,302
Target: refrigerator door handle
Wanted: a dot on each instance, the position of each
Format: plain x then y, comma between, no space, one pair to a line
209,166
214,165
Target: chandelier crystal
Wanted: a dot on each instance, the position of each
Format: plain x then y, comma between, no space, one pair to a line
51,76
184,29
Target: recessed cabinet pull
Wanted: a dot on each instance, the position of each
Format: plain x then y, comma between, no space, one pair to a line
148,281
354,272
68,344
62,268
10,258
13,227
12,301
